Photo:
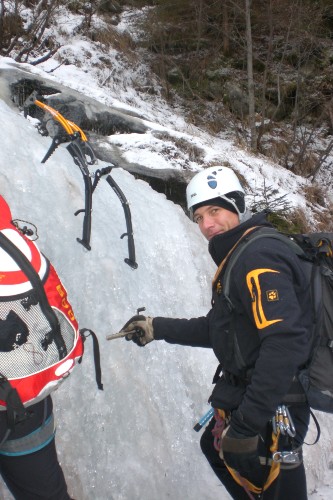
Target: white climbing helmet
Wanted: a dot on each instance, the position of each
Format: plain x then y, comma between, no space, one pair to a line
216,182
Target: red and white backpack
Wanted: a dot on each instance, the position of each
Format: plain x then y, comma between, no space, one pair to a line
40,342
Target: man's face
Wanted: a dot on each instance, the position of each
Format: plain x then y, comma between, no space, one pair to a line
213,220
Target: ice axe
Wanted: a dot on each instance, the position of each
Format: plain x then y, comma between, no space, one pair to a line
137,331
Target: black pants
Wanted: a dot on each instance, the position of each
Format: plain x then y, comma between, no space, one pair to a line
289,485
36,476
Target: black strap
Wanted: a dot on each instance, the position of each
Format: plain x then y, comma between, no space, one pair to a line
259,233
24,264
218,374
97,358
130,240
317,427
75,148
14,406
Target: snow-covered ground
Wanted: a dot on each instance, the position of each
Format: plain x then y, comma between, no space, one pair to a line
135,439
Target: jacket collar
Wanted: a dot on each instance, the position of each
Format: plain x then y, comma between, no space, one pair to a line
220,245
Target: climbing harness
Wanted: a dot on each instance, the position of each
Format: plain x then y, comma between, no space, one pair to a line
84,157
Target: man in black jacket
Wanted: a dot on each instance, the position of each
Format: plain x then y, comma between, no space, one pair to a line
253,443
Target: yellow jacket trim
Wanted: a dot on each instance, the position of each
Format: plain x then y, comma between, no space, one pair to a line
252,281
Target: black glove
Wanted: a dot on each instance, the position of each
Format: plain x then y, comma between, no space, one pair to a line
140,330
240,452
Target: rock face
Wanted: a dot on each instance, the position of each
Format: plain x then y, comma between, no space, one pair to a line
96,119
168,181
86,112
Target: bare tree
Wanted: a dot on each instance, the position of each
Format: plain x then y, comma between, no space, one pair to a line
225,32
19,41
250,78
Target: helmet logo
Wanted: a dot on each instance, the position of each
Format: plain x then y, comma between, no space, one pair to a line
211,181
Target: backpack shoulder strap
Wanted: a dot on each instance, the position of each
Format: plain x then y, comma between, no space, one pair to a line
32,275
264,232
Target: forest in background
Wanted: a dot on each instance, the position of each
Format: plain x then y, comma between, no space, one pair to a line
259,72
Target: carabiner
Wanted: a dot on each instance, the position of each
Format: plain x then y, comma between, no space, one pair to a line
286,457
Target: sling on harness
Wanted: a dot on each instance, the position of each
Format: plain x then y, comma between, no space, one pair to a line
84,156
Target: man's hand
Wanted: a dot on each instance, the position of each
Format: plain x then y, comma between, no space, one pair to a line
139,329
240,452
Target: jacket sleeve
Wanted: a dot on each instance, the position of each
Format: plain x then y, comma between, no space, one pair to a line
191,332
276,298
